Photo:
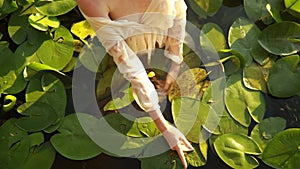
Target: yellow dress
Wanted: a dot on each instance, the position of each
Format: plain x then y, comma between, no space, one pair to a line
162,25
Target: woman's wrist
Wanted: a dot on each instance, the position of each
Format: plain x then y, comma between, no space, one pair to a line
161,123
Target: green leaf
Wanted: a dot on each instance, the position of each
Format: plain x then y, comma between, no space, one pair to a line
11,67
242,58
242,103
229,125
14,145
196,158
80,146
36,139
28,50
105,85
112,133
42,22
48,89
120,102
254,77
284,75
188,84
281,38
93,56
55,7
243,39
7,7
206,8
19,28
215,36
167,160
39,116
147,126
7,81
189,115
275,10
262,9
42,156
264,132
293,7
119,123
237,150
40,67
57,52
83,30
231,64
283,150
192,60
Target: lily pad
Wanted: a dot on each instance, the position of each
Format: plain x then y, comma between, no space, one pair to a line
257,10
293,7
42,156
192,60
120,102
255,77
264,132
189,115
57,52
243,103
50,90
54,7
231,64
83,30
229,125
19,28
9,73
14,145
196,158
147,126
283,150
188,84
215,35
275,10
38,116
36,139
237,150
80,146
206,8
242,38
284,77
281,38
118,135
167,160
7,7
104,84
42,22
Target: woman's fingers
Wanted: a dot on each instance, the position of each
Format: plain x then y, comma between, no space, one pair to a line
187,145
181,155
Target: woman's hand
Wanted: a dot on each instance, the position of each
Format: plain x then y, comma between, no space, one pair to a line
178,142
172,135
164,86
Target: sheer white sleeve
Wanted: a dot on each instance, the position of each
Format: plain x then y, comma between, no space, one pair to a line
176,34
112,37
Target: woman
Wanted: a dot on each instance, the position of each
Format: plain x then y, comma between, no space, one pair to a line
127,28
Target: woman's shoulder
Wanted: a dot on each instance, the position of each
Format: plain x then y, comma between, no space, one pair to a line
94,8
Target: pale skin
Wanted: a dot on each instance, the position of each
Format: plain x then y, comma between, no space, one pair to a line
114,9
